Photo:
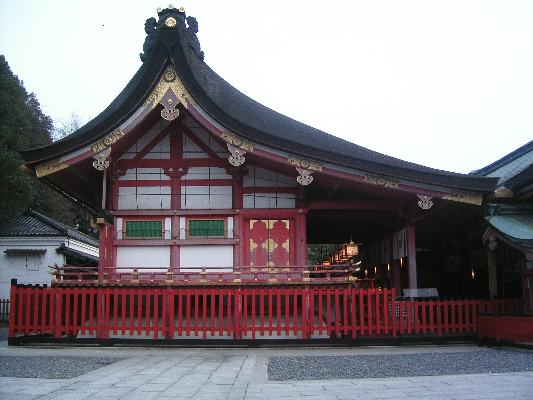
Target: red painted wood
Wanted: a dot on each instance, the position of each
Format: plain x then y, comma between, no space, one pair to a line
340,311
45,328
156,313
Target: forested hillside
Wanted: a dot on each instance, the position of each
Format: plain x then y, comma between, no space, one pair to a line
23,125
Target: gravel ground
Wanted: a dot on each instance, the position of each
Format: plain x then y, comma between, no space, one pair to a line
395,365
51,367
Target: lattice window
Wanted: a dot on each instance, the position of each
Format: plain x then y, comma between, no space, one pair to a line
206,228
144,229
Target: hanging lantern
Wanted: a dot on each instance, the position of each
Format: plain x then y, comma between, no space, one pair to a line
473,274
351,249
375,270
326,262
388,266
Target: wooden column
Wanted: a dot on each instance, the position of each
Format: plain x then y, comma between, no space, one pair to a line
492,268
396,276
411,254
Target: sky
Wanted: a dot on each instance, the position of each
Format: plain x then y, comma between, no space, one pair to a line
447,84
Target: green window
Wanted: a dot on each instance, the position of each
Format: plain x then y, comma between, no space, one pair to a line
144,229
206,227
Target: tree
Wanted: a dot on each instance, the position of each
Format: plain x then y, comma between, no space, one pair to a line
23,125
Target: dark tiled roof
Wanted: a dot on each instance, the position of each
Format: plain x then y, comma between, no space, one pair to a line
35,224
240,114
514,221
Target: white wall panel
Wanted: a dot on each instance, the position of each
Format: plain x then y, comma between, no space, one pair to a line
206,173
206,256
144,198
263,177
143,174
144,140
160,150
144,257
191,149
206,197
269,200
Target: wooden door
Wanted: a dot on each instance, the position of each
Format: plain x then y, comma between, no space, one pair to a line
269,242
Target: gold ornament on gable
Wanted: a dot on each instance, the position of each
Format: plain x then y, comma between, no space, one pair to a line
169,81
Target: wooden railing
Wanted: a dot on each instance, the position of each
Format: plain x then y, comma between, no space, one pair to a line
4,310
511,328
76,275
240,312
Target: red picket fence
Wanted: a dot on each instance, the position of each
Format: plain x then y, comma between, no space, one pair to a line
511,328
239,312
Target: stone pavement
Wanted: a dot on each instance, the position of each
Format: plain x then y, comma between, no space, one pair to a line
173,373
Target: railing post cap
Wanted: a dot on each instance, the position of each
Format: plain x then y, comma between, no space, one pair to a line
14,282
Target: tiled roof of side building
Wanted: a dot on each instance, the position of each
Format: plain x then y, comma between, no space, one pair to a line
36,224
238,113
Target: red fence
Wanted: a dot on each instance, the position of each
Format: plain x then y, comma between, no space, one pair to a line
507,328
239,312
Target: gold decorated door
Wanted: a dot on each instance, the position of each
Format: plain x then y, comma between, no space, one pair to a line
269,242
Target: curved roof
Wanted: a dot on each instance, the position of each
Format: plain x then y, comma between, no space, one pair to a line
237,112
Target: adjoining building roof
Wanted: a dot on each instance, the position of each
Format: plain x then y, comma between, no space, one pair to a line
514,222
177,44
35,224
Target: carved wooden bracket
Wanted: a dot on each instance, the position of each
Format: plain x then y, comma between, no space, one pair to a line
100,160
425,202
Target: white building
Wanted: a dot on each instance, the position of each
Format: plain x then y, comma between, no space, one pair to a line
30,243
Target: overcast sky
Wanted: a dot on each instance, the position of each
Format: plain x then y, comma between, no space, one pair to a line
447,84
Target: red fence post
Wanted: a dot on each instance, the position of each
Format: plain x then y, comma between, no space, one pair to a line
306,320
237,302
12,308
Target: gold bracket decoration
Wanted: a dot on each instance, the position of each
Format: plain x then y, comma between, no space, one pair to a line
169,92
305,178
237,155
305,168
237,147
107,141
238,142
382,181
100,160
49,168
465,197
425,202
303,163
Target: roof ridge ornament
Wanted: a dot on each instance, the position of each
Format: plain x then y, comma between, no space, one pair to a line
171,18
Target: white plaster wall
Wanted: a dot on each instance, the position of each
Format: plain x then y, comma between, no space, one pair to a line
145,139
230,227
257,176
206,256
269,200
142,174
206,197
206,173
118,227
151,258
160,150
144,198
37,271
191,150
209,140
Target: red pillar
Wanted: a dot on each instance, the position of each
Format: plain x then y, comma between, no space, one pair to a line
106,250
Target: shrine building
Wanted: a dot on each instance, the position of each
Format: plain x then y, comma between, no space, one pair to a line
195,184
